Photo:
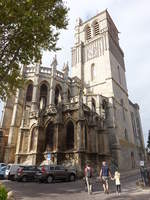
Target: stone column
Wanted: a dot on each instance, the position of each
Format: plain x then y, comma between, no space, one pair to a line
52,83
80,135
18,145
34,105
13,121
2,116
65,92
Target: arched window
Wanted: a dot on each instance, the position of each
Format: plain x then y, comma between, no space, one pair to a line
93,105
32,143
96,28
70,136
43,96
29,93
49,140
57,95
85,138
92,72
88,33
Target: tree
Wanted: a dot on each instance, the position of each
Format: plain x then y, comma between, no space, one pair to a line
148,141
27,27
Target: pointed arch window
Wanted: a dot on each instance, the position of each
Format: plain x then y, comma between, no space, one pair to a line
49,140
57,95
70,135
43,96
29,92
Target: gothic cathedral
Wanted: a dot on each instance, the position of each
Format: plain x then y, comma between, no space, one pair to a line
84,118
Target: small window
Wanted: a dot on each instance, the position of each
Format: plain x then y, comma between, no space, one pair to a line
119,75
92,72
88,33
96,28
123,111
126,134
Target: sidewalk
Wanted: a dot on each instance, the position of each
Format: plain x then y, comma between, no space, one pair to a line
129,173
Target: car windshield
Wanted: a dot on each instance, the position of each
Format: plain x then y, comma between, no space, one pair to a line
3,168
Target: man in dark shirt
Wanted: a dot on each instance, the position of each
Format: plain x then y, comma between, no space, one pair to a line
104,176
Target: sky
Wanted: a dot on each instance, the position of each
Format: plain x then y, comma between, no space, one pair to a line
132,19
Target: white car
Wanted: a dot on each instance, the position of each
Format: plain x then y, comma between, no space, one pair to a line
11,171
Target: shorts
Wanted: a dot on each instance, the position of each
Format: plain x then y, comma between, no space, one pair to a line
105,179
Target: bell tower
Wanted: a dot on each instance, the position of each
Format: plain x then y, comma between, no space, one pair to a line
98,61
97,58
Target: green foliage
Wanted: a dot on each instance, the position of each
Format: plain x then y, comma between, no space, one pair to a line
148,141
27,27
3,193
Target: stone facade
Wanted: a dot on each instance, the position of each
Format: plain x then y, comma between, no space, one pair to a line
84,118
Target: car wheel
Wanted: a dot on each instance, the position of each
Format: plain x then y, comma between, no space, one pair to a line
49,179
24,179
72,177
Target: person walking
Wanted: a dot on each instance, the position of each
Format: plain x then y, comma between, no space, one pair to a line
117,182
104,176
88,177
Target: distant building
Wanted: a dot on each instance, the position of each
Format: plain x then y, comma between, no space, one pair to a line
84,118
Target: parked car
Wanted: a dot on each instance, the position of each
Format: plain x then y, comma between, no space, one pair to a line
2,165
49,173
2,172
26,173
11,171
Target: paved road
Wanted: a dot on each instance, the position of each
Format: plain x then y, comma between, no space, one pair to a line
76,191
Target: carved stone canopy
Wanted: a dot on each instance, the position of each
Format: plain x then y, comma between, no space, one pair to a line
54,62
